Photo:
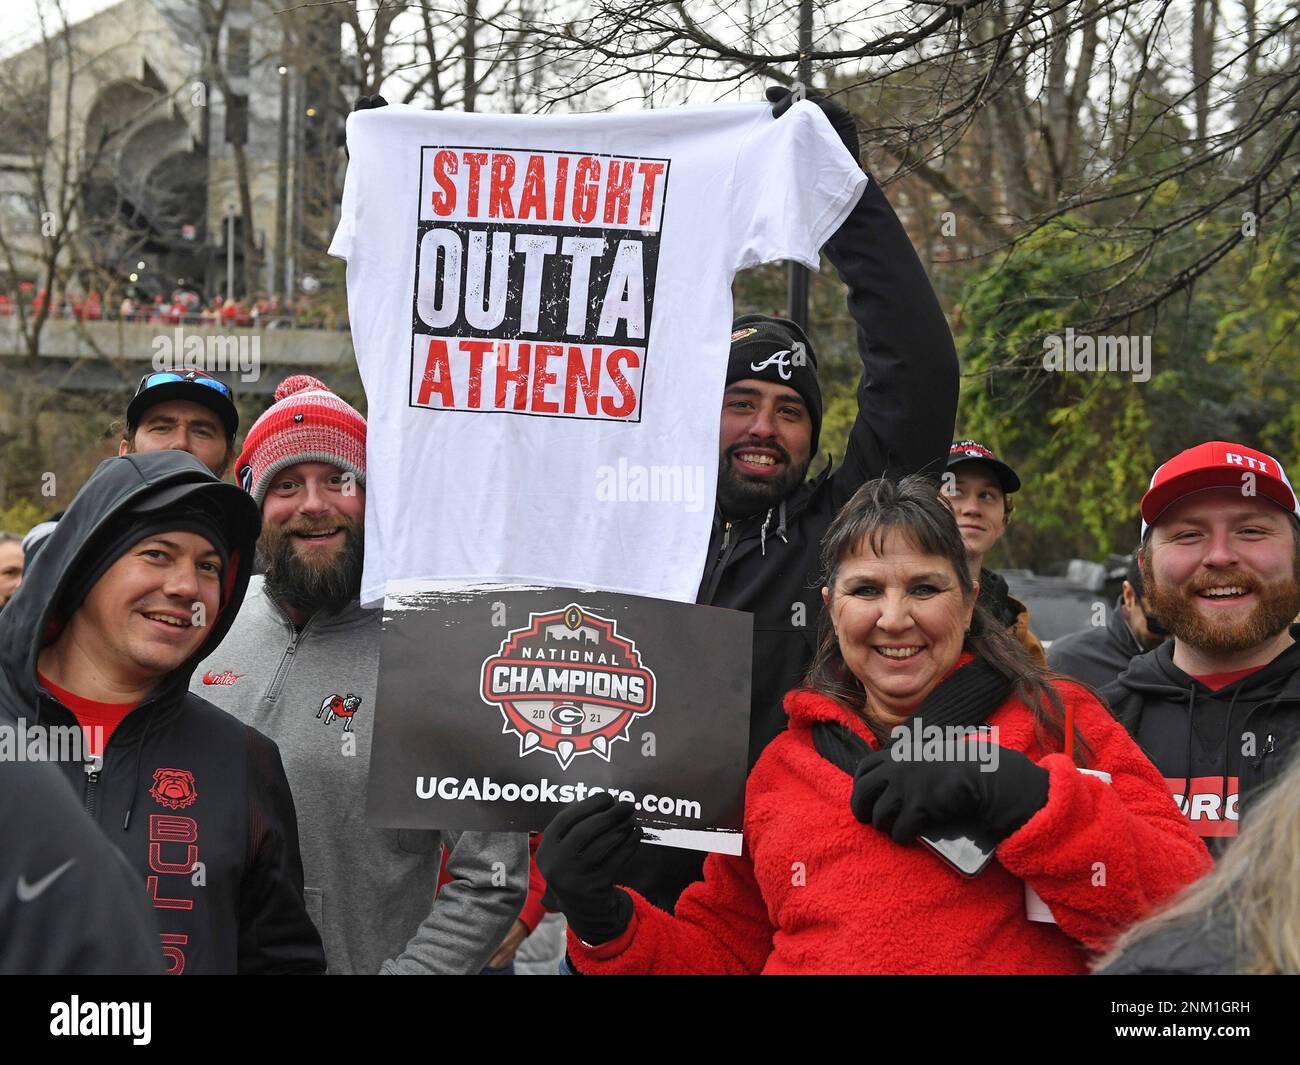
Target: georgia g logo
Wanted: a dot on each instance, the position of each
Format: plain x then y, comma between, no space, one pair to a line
174,788
568,684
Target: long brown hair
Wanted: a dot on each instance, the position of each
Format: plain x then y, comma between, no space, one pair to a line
1255,885
911,508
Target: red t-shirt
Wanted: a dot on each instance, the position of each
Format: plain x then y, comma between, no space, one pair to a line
1215,681
92,716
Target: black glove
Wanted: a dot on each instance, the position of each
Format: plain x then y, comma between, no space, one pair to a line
782,99
583,850
908,799
364,103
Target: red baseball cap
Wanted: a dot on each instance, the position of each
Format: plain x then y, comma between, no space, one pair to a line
1216,464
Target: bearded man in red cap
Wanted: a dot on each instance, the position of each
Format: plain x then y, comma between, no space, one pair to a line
1217,707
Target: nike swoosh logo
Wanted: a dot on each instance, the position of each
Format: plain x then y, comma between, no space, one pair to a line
27,892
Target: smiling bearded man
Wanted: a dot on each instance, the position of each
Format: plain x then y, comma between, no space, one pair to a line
1217,707
303,645
1273,604
303,567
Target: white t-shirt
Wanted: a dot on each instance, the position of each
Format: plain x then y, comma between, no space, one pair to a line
541,311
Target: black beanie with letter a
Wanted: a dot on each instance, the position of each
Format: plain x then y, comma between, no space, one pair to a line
777,350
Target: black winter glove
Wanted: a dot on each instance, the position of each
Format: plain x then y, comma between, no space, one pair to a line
782,99
364,103
583,851
908,799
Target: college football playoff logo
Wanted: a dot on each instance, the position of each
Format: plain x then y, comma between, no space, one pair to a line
568,684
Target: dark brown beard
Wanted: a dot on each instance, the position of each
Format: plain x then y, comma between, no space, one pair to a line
329,585
1279,603
740,496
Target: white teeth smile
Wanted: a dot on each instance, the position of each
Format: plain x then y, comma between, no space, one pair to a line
178,622
1222,593
316,536
757,460
899,652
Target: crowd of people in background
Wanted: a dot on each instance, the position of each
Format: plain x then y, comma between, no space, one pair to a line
1139,747
182,307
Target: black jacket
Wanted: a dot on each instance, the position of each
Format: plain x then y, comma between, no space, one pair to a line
995,597
768,564
196,801
69,903
907,402
1194,946
1200,739
1099,654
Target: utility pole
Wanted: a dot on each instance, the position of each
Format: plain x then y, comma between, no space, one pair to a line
797,299
282,184
230,251
297,182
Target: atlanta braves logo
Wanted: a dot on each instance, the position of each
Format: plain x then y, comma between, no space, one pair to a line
174,788
779,359
336,706
568,683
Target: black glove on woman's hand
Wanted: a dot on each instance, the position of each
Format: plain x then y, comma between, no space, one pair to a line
782,99
583,851
909,799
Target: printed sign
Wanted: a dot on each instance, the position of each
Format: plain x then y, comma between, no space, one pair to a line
534,281
497,707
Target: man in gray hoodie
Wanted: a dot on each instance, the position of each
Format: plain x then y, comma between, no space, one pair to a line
301,665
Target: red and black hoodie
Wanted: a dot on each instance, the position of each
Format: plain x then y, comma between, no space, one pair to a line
196,800
1215,744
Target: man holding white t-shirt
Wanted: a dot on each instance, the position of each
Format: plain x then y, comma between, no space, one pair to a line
539,300
764,553
736,189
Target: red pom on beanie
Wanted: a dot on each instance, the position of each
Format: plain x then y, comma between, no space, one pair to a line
299,382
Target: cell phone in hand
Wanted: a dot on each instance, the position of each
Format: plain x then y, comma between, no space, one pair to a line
967,850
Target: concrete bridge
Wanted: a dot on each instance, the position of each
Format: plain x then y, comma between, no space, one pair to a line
111,357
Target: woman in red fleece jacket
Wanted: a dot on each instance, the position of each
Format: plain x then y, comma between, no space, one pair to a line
833,877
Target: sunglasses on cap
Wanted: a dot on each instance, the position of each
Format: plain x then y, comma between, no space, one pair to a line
172,377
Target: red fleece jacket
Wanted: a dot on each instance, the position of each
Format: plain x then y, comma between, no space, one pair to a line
817,891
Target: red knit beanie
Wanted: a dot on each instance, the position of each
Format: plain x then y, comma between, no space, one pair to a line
307,423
